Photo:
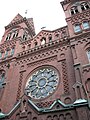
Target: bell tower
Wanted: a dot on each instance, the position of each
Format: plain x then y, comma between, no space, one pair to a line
77,14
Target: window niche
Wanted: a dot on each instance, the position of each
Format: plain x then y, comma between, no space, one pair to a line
79,92
2,78
43,40
88,85
35,118
85,25
50,38
49,117
15,34
8,36
77,28
56,36
55,117
29,46
36,43
25,36
6,53
12,51
0,55
74,10
88,54
69,116
84,6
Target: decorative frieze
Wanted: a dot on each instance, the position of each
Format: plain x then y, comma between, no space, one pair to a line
41,62
65,77
19,86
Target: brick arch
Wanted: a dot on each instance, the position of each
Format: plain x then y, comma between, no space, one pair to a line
84,20
67,100
87,84
68,116
55,117
61,117
34,118
49,117
17,116
2,74
87,49
87,46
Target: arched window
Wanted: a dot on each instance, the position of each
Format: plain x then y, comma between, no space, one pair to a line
17,116
25,36
86,25
6,53
74,10
36,43
29,46
88,85
50,38
43,41
88,55
12,51
2,78
15,34
49,117
61,117
84,6
0,55
8,37
68,116
55,117
35,118
77,28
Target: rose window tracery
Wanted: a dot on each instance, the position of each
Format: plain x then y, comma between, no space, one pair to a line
42,83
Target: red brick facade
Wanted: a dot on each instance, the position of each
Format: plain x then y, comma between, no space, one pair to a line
57,63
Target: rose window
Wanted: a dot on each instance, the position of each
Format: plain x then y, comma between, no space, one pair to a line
42,83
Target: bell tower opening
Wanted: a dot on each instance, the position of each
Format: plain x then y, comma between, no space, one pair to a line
75,12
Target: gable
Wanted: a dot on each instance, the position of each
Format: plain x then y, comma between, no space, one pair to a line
17,18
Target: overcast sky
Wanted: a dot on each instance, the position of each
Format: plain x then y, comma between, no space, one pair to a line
45,13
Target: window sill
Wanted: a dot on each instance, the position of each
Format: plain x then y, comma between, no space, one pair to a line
76,33
85,30
9,56
86,65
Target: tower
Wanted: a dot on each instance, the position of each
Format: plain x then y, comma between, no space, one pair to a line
46,76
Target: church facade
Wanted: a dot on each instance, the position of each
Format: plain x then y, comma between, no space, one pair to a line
47,76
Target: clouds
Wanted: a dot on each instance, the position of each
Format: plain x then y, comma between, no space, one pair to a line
47,13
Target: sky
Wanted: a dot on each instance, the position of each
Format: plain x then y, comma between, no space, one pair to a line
45,13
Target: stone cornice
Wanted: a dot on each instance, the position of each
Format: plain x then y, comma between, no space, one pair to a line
81,36
79,17
15,23
5,61
20,21
8,43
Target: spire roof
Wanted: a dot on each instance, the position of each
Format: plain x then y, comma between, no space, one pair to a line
16,18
